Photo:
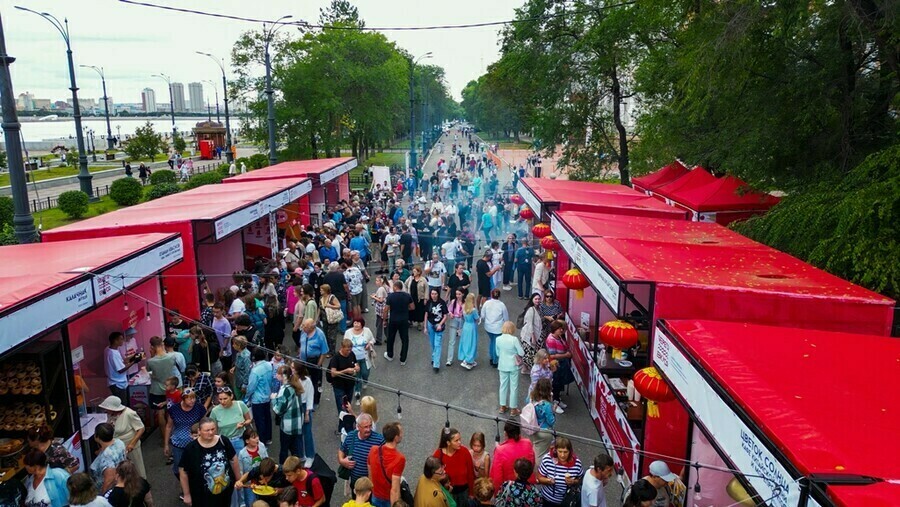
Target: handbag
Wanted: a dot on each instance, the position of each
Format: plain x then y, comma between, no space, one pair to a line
572,498
333,315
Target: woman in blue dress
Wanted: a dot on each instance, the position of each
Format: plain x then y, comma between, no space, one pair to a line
468,340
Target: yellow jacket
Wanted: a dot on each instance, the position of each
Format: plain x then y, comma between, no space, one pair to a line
353,503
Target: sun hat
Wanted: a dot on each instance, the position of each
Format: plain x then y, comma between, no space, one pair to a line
113,404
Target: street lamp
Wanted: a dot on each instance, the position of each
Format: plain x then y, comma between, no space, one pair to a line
168,81
412,110
211,83
23,222
93,147
109,136
268,35
229,156
84,176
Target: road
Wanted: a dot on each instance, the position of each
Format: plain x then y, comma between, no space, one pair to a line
476,390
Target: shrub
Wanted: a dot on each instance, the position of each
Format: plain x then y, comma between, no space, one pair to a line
258,161
179,144
207,178
162,190
6,210
73,203
163,176
223,169
7,235
126,191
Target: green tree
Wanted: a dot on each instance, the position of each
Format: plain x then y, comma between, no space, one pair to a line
3,159
145,143
179,144
74,203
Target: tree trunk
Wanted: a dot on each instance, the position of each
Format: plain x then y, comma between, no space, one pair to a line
624,175
354,146
314,145
848,88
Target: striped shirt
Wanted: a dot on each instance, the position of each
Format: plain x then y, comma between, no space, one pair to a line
291,408
553,469
358,451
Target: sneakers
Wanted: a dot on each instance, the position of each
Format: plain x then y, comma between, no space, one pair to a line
562,404
466,365
308,463
558,409
449,362
389,358
507,287
402,363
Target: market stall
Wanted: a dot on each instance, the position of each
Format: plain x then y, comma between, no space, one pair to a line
58,304
649,182
545,195
638,270
762,410
694,178
225,228
330,183
723,201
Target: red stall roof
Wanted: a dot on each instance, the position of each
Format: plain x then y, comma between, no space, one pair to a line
543,193
729,280
668,173
321,170
828,411
693,179
724,194
46,283
230,206
602,225
880,494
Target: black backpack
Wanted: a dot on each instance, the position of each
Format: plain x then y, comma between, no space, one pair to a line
326,477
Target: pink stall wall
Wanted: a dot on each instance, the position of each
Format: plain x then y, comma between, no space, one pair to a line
219,260
92,330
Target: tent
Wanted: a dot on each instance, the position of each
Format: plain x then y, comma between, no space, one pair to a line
693,179
223,226
58,304
723,201
644,271
793,405
330,181
649,182
544,195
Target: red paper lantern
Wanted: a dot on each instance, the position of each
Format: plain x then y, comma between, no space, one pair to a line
619,335
526,213
574,279
651,385
516,199
541,230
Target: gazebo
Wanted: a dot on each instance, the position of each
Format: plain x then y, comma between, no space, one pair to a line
210,131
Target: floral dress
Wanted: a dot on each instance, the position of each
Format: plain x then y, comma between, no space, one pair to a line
547,311
518,494
108,458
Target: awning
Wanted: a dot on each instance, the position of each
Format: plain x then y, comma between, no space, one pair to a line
724,194
668,173
824,411
47,283
605,225
320,170
693,179
544,195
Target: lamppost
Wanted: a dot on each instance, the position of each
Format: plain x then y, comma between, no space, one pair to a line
23,222
229,156
118,133
168,81
218,119
90,134
268,35
109,136
412,110
84,176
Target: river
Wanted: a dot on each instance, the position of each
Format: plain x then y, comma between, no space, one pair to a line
65,127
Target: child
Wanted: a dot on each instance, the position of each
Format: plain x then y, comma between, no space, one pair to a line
305,482
480,458
173,394
277,362
362,492
484,493
195,431
267,473
368,405
250,456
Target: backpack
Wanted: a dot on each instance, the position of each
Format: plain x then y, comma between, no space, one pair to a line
528,420
326,475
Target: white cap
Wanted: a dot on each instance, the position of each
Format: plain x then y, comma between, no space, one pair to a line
661,469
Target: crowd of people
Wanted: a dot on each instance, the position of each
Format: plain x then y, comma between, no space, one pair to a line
224,385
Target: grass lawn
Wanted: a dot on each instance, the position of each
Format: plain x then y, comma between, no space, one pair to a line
54,217
54,172
387,159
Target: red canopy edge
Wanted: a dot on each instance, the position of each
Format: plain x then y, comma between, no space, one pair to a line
696,177
827,411
881,494
668,173
724,194
541,193
322,170
608,225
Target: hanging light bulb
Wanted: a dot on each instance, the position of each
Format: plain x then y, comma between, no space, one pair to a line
148,312
165,291
697,495
447,422
399,408
497,435
125,295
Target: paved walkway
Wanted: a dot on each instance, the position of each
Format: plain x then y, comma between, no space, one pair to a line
476,390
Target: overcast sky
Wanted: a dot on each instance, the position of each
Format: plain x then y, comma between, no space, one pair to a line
133,42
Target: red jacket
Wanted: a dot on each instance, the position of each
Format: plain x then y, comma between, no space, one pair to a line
460,468
505,457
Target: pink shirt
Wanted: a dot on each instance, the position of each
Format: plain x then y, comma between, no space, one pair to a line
505,457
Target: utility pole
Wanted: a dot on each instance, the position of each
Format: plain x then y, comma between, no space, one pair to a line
413,161
218,118
109,137
23,222
168,81
268,35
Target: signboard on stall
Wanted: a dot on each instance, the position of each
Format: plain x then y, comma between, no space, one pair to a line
32,320
605,284
336,172
530,199
110,282
247,215
740,444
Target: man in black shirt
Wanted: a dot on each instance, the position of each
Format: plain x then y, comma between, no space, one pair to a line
437,313
396,312
406,245
485,271
343,369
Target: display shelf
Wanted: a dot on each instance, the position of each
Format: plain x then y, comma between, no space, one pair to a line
47,356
